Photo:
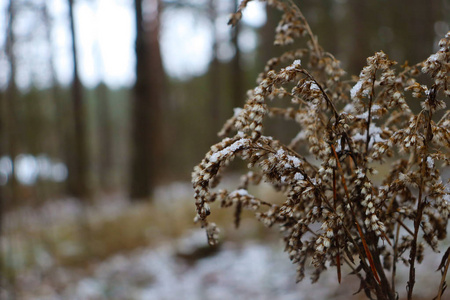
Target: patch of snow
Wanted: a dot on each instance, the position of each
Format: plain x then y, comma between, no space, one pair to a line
430,162
228,150
356,89
299,176
433,58
314,87
240,192
446,197
375,135
365,115
294,160
237,111
349,108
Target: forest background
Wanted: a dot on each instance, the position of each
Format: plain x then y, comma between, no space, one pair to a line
127,111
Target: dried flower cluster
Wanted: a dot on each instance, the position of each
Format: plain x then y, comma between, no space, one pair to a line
334,213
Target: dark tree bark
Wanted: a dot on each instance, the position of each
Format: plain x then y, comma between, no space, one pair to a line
146,152
9,137
267,35
78,169
237,79
12,125
360,36
2,200
106,150
214,78
58,129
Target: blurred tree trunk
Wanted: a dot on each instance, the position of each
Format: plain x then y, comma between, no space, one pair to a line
106,151
12,98
78,168
2,200
237,80
427,12
10,136
361,36
267,36
147,141
58,127
214,77
329,37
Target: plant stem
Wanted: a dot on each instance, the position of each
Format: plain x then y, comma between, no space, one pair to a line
369,116
420,207
444,274
394,260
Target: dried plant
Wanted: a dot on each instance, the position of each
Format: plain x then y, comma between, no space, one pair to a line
334,213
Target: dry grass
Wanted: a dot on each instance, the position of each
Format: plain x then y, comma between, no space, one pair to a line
65,234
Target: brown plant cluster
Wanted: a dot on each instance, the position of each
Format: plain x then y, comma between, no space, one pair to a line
336,211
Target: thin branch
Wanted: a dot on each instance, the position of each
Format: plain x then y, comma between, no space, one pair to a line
419,210
444,274
369,116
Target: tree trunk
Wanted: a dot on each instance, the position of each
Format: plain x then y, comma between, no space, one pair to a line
237,80
361,36
10,137
105,144
78,170
13,126
214,79
146,138
57,124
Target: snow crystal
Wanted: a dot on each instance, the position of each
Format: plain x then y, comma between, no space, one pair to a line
280,152
299,176
430,162
356,89
228,150
290,68
359,137
258,90
240,192
446,197
285,27
294,65
360,173
349,108
375,134
314,87
402,176
237,111
294,160
363,116
375,108
433,57
339,146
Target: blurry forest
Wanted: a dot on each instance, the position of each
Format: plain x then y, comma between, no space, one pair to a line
88,143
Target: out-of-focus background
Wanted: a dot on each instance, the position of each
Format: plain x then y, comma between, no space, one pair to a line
106,106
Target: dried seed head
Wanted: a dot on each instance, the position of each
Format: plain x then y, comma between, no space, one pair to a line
335,185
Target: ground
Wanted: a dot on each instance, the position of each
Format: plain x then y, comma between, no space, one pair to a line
154,251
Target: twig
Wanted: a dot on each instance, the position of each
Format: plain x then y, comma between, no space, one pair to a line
444,274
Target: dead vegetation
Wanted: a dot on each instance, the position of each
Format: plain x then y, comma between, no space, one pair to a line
334,212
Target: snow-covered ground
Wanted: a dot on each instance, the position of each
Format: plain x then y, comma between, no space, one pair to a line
168,270
249,271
